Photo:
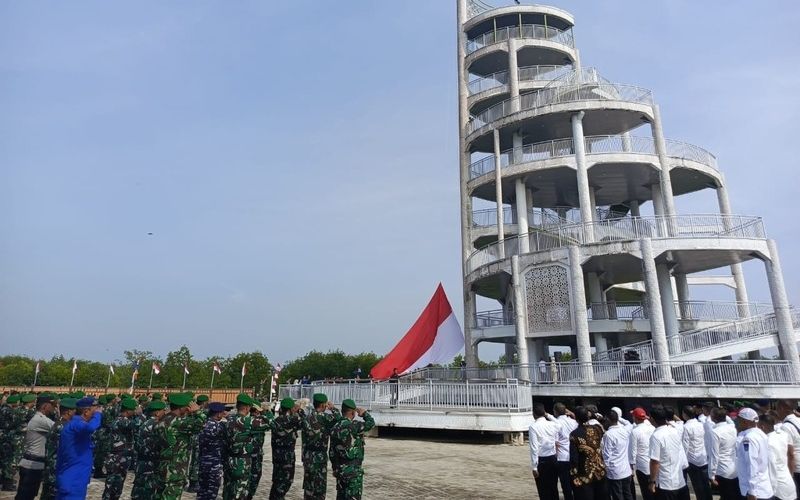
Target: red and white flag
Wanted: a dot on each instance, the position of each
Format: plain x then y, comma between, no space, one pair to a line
111,369
186,369
74,366
156,368
435,338
244,368
216,368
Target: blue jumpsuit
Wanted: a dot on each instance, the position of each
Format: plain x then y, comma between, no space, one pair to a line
74,460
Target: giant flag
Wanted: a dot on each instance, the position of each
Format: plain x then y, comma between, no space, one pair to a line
435,338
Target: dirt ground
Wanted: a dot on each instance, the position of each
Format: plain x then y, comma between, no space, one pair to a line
404,467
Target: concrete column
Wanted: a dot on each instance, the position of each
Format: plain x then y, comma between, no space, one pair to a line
635,208
658,205
736,269
470,350
682,288
529,199
596,297
522,217
626,142
576,64
600,343
584,196
498,192
786,333
513,73
593,201
661,150
579,318
521,324
667,300
657,331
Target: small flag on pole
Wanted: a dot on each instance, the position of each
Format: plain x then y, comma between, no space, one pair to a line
216,368
186,369
244,368
111,369
156,368
135,374
38,367
74,366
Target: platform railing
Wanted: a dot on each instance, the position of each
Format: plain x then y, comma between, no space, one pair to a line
534,31
489,82
491,319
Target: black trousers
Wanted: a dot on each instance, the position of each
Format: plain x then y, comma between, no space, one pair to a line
729,489
597,490
700,484
644,485
681,494
620,489
547,482
564,479
29,482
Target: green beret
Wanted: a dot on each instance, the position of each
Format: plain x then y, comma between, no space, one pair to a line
349,403
68,403
128,404
190,394
79,394
28,398
179,400
319,399
143,399
287,403
102,399
157,396
244,399
156,405
13,399
126,396
202,398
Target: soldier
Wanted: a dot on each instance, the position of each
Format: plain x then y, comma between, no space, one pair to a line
174,434
239,432
147,453
284,429
66,411
211,443
7,413
202,401
122,432
257,455
316,434
101,437
347,446
22,415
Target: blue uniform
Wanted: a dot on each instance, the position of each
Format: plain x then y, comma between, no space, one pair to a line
74,460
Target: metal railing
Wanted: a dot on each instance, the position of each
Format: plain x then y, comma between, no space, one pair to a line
602,144
535,31
488,217
617,310
490,82
490,319
507,396
623,229
719,310
561,94
538,73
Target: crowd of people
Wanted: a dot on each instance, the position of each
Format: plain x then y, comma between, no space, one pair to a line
181,443
738,451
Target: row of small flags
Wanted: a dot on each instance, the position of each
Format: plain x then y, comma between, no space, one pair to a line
157,369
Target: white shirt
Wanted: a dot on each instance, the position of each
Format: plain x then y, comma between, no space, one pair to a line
639,448
752,463
566,426
782,482
667,450
615,444
542,438
791,427
694,442
35,439
722,451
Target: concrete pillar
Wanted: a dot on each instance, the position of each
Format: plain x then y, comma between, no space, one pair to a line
529,199
635,208
521,324
626,142
596,297
522,217
777,290
682,288
576,64
667,301
579,318
513,73
736,269
600,343
498,192
657,331
661,150
593,202
658,205
470,350
584,196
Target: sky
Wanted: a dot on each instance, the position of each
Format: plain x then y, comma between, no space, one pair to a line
282,176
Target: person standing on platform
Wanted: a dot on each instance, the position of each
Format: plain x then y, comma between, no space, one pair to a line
587,469
722,455
639,450
667,459
31,467
567,424
66,412
74,459
694,442
781,461
752,457
542,436
211,444
616,443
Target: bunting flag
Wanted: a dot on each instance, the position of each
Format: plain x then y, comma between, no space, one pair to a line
156,368
216,368
111,369
74,366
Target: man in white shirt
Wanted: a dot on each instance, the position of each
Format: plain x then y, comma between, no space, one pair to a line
789,411
567,424
622,421
722,455
31,467
639,450
616,442
695,446
542,435
752,457
781,459
667,459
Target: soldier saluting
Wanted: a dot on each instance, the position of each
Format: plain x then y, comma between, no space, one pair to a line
347,450
316,431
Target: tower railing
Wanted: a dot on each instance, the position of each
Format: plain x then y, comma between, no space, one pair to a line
538,73
530,31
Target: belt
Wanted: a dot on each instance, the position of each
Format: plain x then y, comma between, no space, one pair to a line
33,458
322,449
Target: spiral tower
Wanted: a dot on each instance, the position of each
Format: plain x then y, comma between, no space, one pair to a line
572,234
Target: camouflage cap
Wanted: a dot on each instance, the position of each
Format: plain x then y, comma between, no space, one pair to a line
128,404
67,403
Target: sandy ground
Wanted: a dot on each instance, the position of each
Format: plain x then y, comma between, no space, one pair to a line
413,468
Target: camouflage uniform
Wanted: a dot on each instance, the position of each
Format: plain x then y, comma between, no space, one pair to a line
256,460
22,416
347,449
147,456
316,433
211,443
239,444
121,437
174,435
284,437
6,445
102,439
51,450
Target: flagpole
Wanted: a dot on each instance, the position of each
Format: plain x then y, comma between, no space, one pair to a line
241,384
108,380
213,372
72,380
35,376
150,385
183,387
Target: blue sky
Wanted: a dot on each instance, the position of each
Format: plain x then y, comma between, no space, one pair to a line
297,163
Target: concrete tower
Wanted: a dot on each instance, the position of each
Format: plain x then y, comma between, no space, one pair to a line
571,223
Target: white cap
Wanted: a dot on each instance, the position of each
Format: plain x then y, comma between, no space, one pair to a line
617,411
748,414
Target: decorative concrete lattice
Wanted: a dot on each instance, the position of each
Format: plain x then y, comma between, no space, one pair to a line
547,299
